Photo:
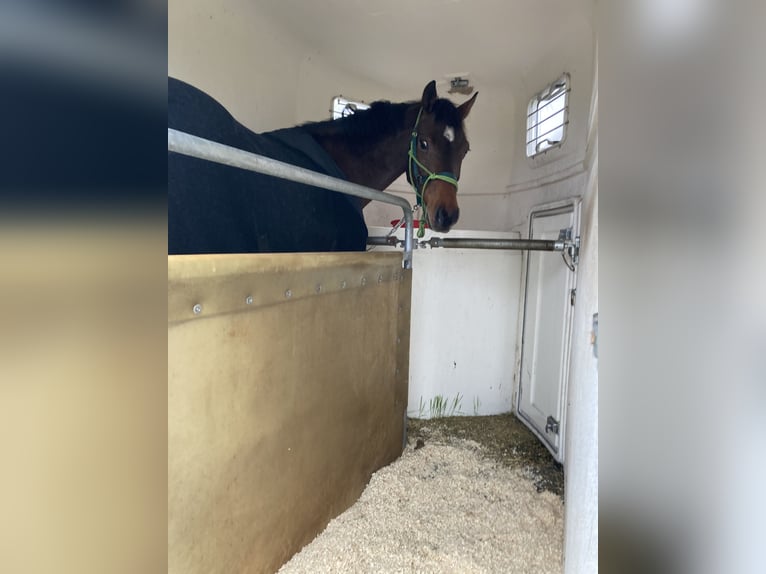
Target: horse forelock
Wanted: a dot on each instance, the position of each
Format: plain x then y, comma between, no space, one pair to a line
445,112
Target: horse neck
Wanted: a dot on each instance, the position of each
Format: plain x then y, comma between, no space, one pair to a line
380,161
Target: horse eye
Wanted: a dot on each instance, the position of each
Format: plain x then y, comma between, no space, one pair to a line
423,145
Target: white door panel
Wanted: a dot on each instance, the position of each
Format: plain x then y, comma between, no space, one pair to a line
546,331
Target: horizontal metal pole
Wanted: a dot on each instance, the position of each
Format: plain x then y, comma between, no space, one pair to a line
519,244
381,241
187,144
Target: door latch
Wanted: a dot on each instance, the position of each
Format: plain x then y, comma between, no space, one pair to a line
570,246
552,425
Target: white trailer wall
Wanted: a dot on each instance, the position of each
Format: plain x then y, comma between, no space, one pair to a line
581,464
463,336
238,56
262,72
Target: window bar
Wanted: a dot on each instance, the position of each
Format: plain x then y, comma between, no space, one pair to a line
548,118
538,138
548,102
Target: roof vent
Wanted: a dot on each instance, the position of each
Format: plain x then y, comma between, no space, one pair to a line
460,85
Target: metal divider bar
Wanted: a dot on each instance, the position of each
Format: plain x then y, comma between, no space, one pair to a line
187,144
472,243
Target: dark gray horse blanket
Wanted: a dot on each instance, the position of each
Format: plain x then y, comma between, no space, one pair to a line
213,208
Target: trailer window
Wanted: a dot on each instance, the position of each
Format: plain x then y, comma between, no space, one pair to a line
341,107
547,117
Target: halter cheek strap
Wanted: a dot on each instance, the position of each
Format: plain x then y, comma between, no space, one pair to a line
413,171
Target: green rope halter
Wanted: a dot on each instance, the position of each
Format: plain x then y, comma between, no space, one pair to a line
413,171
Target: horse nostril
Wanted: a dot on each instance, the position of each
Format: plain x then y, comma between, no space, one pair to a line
444,219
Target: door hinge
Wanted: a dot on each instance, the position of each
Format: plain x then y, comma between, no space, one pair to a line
552,425
572,296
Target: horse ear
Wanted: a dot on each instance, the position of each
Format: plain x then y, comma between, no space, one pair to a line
465,107
429,96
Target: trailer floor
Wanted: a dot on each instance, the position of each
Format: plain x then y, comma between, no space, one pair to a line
468,494
504,439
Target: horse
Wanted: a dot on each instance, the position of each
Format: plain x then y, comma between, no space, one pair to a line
213,208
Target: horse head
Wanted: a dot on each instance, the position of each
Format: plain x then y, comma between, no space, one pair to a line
437,148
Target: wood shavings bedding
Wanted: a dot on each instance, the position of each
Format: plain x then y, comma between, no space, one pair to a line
442,508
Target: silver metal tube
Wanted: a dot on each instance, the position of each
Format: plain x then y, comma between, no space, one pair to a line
187,144
391,241
471,243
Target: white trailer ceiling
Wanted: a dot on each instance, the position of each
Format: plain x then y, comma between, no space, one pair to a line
399,42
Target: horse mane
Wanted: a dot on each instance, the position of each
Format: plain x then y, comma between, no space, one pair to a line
381,120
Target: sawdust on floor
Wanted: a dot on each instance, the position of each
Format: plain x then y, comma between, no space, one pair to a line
462,498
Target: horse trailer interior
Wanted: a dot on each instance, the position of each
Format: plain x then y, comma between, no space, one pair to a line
291,376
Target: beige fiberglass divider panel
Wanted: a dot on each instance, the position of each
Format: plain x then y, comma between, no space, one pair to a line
287,389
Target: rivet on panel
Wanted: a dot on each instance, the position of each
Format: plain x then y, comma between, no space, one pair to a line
197,309
249,300
288,293
318,288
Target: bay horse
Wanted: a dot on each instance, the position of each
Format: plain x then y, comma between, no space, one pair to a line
213,208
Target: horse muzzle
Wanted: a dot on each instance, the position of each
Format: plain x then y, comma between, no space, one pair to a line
441,205
444,219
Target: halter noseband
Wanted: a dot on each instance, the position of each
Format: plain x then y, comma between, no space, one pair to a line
413,171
